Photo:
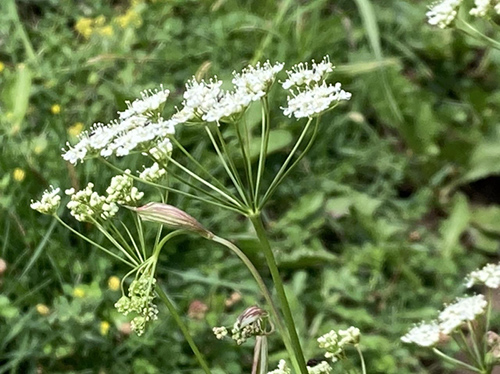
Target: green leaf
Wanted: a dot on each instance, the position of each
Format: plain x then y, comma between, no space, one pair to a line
453,227
278,139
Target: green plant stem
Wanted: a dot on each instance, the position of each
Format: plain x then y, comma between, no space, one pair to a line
94,243
455,362
163,296
264,142
265,292
475,345
363,366
256,220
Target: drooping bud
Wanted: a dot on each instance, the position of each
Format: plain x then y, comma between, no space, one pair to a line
254,321
172,217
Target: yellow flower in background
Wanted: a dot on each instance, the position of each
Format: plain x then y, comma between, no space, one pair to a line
105,30
76,129
131,17
55,109
104,328
2,66
84,27
100,21
79,292
19,174
38,149
42,309
114,283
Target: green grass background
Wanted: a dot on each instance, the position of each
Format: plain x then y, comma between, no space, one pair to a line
376,228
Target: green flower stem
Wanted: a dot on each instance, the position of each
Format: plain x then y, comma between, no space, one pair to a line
283,172
163,296
264,142
464,346
363,366
208,201
232,165
487,320
247,163
115,242
455,362
107,251
200,166
203,181
470,30
285,307
227,167
265,293
123,241
475,345
134,244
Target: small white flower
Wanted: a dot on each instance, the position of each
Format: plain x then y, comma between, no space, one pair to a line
314,100
87,205
77,152
443,13
149,102
488,275
463,310
322,368
199,98
220,332
349,336
424,334
121,190
49,202
256,80
153,173
282,368
162,150
481,8
302,75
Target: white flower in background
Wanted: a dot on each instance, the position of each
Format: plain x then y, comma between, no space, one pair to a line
256,81
122,191
302,75
322,368
282,368
150,101
162,151
349,336
220,332
463,310
424,334
443,13
49,202
153,174
77,152
330,343
314,100
488,275
87,205
230,104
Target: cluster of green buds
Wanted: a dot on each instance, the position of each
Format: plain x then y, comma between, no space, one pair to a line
140,301
493,341
334,343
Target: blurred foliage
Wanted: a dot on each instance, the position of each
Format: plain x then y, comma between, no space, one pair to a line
396,202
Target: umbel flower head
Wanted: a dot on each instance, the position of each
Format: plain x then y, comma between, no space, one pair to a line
49,202
321,368
334,343
424,334
488,276
171,217
443,13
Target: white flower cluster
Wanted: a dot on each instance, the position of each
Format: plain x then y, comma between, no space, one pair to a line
87,205
220,332
450,318
483,8
443,13
140,300
488,275
249,323
423,334
152,174
49,202
206,101
334,343
282,368
322,368
310,94
140,126
121,190
302,75
161,151
149,102
463,310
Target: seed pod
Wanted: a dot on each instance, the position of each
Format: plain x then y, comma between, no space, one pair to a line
172,217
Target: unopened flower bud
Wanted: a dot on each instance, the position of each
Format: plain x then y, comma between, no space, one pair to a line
172,217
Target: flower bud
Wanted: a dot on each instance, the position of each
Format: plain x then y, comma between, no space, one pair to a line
172,217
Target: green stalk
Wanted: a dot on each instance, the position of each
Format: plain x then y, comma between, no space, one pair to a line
363,366
454,361
267,295
247,163
264,142
475,345
280,290
183,328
